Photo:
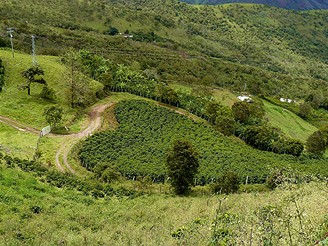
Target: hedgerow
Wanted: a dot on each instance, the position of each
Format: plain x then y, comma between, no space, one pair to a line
139,146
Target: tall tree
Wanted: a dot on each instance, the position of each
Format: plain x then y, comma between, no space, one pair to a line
32,75
182,166
78,91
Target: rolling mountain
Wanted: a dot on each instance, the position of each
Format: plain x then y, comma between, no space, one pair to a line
287,4
271,51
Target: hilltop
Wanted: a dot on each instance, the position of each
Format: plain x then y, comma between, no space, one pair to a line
287,4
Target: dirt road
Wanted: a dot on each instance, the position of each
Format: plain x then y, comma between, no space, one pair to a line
72,139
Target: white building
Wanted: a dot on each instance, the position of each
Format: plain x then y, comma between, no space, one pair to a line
245,99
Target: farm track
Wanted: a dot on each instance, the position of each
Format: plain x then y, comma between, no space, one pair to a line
72,139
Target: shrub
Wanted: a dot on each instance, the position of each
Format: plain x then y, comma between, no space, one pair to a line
228,183
112,31
106,172
316,144
275,179
289,146
53,115
48,93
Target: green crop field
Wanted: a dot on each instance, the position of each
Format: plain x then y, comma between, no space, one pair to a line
138,147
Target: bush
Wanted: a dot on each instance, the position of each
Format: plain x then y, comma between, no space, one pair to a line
275,179
316,143
228,183
53,115
289,146
106,172
112,31
48,93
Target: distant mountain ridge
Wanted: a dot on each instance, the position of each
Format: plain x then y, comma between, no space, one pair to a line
287,4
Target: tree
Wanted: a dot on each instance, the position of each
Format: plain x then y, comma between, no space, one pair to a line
182,165
241,111
30,75
48,93
261,137
304,110
228,183
288,146
112,31
78,91
215,109
166,94
53,115
226,125
316,143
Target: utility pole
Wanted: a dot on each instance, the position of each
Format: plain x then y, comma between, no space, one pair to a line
11,31
34,62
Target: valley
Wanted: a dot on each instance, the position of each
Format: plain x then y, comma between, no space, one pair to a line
125,86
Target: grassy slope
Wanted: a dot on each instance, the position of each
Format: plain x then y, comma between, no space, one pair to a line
291,124
18,143
67,217
28,109
17,104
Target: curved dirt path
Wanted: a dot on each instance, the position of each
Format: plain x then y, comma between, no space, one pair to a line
72,139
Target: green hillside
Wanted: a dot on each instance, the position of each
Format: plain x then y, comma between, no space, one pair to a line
291,124
36,213
291,4
17,105
134,76
19,143
273,51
